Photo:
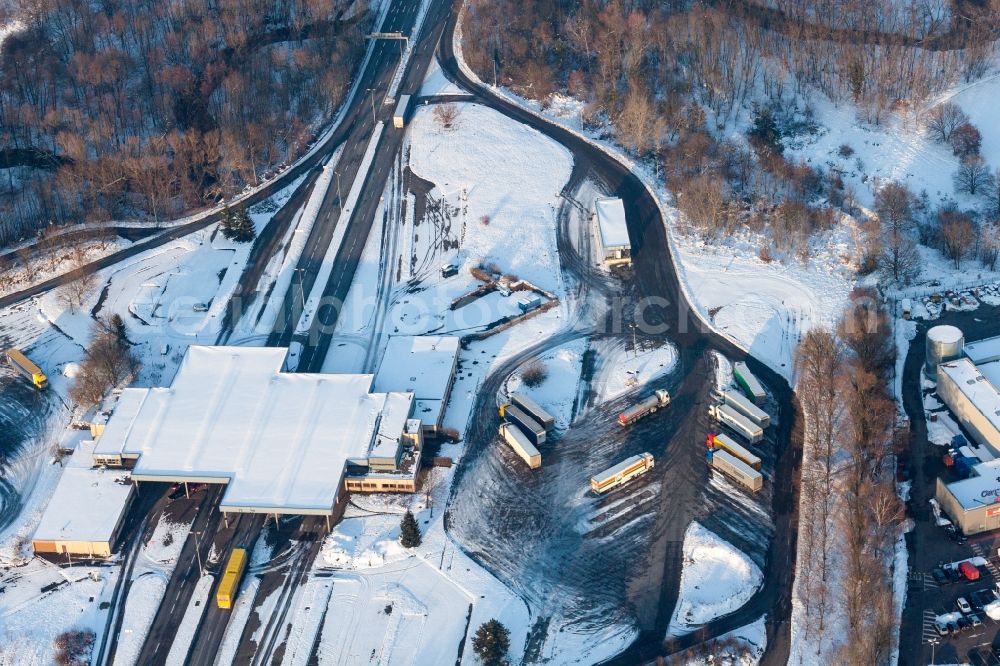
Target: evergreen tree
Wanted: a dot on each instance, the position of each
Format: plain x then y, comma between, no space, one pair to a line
491,642
118,328
228,223
409,532
243,231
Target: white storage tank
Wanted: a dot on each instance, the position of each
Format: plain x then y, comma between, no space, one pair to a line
944,343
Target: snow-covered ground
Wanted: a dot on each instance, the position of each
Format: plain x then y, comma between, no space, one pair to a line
40,600
716,579
620,369
143,599
404,606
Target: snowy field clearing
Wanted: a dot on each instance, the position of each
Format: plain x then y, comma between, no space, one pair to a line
766,307
40,600
431,589
717,579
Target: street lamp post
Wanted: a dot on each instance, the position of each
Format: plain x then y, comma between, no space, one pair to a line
197,551
372,92
340,197
302,294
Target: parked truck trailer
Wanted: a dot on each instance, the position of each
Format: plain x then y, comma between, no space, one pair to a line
533,409
622,473
29,370
747,382
521,444
736,469
742,404
725,414
660,398
529,426
731,446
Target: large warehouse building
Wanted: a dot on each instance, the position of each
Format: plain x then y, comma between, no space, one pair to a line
973,399
281,442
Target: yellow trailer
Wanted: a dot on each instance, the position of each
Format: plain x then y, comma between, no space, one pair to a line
230,583
31,371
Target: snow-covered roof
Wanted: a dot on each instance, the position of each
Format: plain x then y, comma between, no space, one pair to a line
611,220
280,440
977,388
991,371
71,438
422,365
395,414
87,504
112,440
983,351
983,488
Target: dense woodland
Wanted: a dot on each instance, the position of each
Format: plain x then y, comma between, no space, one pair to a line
122,108
664,79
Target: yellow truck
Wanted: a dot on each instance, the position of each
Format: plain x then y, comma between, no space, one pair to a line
230,583
31,371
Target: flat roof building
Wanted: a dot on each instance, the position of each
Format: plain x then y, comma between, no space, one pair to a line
973,399
615,243
983,351
85,514
281,442
973,504
424,365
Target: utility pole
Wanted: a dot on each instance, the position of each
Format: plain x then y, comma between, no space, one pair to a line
374,119
635,348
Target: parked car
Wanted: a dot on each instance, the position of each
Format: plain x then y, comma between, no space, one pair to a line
448,270
963,605
969,570
941,628
940,577
953,626
963,623
954,575
975,621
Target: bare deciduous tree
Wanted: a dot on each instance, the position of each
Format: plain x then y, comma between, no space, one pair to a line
944,119
958,235
973,176
445,115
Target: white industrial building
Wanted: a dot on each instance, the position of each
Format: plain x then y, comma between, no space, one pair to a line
85,514
281,442
616,246
973,399
424,365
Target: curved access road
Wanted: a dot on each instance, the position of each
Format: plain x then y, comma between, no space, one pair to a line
656,278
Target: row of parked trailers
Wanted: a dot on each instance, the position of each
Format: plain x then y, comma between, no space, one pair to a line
742,415
525,427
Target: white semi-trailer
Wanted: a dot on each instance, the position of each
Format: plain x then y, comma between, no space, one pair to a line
743,405
660,398
399,115
622,473
747,382
534,410
522,445
736,469
725,414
